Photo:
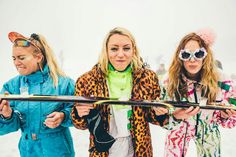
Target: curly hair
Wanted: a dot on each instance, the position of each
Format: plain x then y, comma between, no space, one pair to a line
208,74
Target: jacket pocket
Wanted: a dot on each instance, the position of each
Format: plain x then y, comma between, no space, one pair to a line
55,144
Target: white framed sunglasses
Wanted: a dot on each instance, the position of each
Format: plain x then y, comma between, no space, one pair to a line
198,54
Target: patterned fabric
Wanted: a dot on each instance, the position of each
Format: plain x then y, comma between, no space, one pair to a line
206,134
145,86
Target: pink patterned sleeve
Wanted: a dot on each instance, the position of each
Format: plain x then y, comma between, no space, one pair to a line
229,99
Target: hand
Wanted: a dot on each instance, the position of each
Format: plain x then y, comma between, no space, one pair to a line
160,110
185,113
5,109
227,113
54,119
83,110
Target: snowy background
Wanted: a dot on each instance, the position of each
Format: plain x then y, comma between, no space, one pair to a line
75,29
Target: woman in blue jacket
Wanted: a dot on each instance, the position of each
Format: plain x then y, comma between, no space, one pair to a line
43,125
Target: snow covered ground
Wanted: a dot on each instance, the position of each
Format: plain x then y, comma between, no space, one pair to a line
8,143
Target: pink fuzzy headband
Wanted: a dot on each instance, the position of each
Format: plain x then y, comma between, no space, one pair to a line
207,35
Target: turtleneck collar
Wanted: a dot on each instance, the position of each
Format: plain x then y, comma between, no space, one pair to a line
112,68
195,78
190,82
38,76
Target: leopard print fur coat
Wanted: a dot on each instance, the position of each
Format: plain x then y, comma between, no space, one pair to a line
145,86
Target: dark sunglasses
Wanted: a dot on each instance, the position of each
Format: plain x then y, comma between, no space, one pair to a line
199,54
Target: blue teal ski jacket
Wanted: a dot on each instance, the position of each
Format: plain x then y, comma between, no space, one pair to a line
37,140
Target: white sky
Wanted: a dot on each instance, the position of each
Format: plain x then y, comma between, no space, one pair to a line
76,28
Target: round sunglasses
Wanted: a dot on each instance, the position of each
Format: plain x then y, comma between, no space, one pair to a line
198,54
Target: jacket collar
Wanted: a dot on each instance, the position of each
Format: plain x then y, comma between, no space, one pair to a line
101,76
38,76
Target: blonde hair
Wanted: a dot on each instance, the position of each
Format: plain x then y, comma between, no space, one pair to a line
41,46
136,62
208,75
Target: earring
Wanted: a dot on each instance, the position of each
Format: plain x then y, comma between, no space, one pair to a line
40,67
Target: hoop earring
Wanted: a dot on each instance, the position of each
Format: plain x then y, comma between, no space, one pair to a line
40,67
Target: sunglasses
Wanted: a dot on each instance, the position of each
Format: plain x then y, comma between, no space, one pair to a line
198,54
26,43
22,43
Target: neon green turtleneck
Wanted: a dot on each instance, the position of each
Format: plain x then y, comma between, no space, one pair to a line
120,83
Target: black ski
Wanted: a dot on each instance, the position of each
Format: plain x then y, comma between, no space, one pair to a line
113,101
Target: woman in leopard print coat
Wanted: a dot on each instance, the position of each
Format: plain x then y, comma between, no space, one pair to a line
120,73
